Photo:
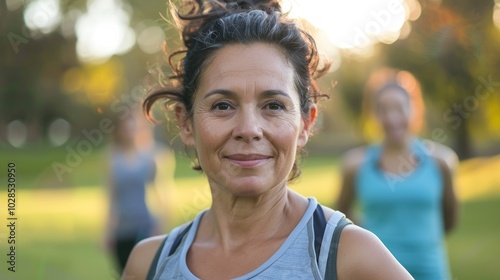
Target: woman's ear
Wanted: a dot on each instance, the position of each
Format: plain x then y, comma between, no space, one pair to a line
184,124
307,125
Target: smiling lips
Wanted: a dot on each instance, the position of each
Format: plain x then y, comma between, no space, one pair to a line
248,160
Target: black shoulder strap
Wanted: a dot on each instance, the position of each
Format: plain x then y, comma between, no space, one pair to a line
178,239
154,263
175,245
331,263
319,222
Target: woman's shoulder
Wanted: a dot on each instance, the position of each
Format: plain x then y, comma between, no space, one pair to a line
329,213
353,158
362,255
141,257
444,155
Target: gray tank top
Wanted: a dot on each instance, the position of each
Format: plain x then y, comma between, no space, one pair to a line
295,259
129,201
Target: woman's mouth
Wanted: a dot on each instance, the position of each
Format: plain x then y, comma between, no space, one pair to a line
248,160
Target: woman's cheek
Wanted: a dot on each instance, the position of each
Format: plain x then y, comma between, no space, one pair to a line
284,135
286,125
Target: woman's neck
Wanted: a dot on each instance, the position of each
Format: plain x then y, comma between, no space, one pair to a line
232,221
398,158
399,147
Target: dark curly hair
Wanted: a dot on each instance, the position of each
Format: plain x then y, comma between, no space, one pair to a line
208,26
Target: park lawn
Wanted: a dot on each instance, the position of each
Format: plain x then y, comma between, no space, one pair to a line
59,229
473,249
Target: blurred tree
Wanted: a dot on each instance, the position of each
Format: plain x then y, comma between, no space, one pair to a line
34,78
453,51
31,66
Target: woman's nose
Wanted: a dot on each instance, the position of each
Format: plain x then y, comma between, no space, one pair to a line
248,126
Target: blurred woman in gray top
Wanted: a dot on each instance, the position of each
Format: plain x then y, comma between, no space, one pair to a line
132,168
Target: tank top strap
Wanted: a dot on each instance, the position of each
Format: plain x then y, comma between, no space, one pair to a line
372,154
332,223
172,238
167,245
419,149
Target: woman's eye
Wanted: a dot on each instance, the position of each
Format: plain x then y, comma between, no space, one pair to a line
221,106
275,106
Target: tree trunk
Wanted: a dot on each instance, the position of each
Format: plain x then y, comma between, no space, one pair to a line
463,144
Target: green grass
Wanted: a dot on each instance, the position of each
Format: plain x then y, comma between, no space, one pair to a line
474,249
60,226
61,259
35,167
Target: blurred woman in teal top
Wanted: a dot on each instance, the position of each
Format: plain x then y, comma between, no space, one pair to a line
404,185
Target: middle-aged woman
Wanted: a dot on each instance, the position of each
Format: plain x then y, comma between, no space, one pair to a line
244,102
404,184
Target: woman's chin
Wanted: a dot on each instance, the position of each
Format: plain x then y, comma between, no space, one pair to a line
397,138
250,186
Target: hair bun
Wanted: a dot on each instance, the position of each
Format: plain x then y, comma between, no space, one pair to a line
242,5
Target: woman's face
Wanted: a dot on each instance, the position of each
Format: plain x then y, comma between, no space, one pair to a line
393,113
126,131
247,122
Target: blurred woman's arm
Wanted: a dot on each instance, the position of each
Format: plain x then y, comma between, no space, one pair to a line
448,163
350,163
111,221
159,202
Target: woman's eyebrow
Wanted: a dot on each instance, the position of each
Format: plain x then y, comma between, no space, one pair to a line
264,94
224,92
274,92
